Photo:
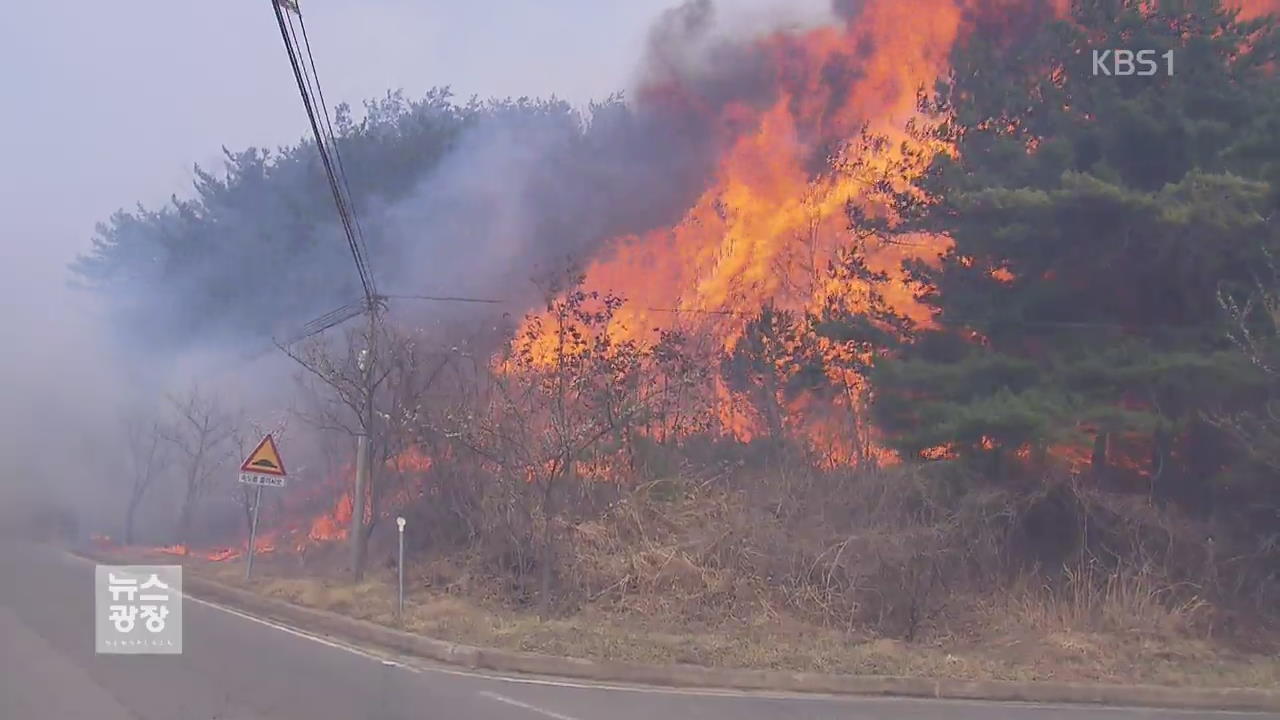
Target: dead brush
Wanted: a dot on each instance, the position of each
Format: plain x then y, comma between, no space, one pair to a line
906,552
876,551
651,556
1125,600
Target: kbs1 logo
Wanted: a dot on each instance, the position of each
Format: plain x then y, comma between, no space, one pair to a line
1132,63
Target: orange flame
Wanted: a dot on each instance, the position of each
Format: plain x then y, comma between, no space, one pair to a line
775,215
1255,8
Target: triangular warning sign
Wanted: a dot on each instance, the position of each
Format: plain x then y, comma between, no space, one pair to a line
265,459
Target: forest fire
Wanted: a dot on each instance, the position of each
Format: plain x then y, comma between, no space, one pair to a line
1255,8
301,528
893,320
769,225
773,229
772,245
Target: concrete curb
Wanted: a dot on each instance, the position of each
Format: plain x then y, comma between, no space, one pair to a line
695,676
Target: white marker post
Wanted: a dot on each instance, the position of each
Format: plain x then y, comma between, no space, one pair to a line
400,569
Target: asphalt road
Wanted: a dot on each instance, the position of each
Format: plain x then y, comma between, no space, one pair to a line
235,667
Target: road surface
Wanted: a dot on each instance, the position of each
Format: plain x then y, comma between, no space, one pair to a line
235,667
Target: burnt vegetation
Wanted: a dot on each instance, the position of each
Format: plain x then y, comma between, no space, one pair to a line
1081,427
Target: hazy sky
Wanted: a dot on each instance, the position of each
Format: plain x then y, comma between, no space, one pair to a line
106,104
110,103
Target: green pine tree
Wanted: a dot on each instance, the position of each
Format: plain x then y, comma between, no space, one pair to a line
1094,221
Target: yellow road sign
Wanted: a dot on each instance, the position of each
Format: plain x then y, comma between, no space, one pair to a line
264,460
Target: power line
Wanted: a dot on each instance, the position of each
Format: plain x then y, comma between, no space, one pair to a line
970,321
337,151
331,319
345,213
449,298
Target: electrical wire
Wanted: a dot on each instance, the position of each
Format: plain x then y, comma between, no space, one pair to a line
449,298
337,152
345,213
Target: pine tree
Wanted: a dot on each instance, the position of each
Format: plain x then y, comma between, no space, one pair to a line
1094,221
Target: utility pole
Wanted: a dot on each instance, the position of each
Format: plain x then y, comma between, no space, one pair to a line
357,505
308,80
365,362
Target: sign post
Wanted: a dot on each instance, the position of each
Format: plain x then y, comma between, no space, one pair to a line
263,468
400,568
253,529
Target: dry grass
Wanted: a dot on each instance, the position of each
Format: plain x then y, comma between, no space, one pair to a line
1120,602
886,573
1027,635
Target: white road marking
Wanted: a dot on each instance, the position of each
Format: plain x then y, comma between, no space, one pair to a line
297,633
525,706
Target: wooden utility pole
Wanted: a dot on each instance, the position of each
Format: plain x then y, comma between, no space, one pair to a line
366,361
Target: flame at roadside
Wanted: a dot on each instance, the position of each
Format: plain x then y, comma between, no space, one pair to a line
312,518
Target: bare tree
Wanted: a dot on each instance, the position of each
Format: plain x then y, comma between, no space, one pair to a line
147,460
374,381
1254,328
199,431
1253,315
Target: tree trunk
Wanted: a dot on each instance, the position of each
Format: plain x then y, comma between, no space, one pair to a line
772,412
1098,463
546,576
184,522
129,514
1161,445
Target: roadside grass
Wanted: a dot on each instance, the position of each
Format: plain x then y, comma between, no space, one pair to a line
1116,634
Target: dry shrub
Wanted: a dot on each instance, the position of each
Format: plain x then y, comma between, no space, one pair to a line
1125,564
908,551
1134,601
879,549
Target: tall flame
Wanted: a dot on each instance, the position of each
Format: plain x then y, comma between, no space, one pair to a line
770,223
766,227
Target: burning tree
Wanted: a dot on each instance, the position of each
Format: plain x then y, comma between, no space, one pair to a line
563,405
1076,310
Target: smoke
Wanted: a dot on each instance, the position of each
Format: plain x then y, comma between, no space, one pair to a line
522,190
57,388
536,184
